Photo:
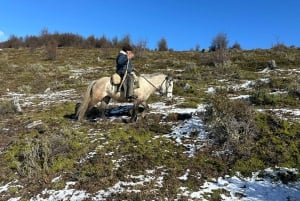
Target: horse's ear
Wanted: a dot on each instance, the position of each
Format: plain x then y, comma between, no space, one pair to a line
169,77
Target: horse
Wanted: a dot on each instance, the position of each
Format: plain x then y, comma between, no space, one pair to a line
103,90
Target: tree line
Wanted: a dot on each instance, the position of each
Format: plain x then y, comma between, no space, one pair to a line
74,40
219,42
51,41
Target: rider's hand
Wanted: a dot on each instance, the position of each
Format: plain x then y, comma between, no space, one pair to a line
135,71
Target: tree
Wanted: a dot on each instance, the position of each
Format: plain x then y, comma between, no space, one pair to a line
13,42
236,46
115,41
103,42
162,45
32,42
141,48
219,42
51,49
105,46
125,40
91,41
44,36
219,45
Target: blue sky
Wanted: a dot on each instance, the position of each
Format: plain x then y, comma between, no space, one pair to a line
184,24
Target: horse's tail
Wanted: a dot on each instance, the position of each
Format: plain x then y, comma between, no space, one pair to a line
85,102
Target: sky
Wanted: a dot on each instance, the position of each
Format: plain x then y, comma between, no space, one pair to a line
185,25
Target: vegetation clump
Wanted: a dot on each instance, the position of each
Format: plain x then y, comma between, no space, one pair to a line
251,140
7,107
231,123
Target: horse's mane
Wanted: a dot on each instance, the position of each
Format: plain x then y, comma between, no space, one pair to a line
151,75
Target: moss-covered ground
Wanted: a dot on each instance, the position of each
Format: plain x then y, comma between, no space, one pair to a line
44,141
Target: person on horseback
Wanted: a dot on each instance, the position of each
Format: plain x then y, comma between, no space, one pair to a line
125,70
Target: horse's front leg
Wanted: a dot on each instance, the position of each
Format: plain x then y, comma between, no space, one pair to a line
145,110
135,111
103,106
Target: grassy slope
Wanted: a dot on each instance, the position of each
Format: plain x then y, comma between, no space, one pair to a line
55,146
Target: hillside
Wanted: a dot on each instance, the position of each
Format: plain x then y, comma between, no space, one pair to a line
230,128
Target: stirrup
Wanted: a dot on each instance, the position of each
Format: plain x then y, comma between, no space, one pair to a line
133,97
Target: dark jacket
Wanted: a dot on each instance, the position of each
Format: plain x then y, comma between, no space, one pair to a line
121,62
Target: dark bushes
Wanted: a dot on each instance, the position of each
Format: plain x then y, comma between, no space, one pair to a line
231,123
249,141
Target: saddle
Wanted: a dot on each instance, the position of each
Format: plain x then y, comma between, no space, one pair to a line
116,80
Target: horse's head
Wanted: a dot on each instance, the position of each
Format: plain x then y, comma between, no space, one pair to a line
167,87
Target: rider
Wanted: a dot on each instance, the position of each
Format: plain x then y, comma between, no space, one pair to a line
125,70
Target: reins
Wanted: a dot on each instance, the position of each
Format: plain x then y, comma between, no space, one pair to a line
157,89
124,77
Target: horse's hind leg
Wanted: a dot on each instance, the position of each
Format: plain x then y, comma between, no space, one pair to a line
145,110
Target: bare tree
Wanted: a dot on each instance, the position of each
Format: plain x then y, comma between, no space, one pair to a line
141,48
125,40
90,41
51,49
44,36
219,46
32,42
219,42
115,41
162,45
103,42
14,42
105,46
236,46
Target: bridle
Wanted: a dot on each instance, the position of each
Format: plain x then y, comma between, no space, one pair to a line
167,80
160,88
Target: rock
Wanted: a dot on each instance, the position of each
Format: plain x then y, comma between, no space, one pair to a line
48,90
272,64
17,105
186,87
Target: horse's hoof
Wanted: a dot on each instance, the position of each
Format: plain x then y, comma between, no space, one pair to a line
126,121
133,119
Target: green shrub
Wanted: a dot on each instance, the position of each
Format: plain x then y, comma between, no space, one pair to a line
262,97
190,103
230,122
7,107
62,163
247,167
30,156
277,143
294,89
35,153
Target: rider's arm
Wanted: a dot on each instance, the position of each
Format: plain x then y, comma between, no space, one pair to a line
122,60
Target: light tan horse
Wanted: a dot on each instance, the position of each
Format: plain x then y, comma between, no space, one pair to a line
103,90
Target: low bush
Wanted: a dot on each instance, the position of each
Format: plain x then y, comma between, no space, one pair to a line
231,123
263,97
278,142
7,107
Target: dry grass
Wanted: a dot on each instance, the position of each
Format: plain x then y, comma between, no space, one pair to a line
54,146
